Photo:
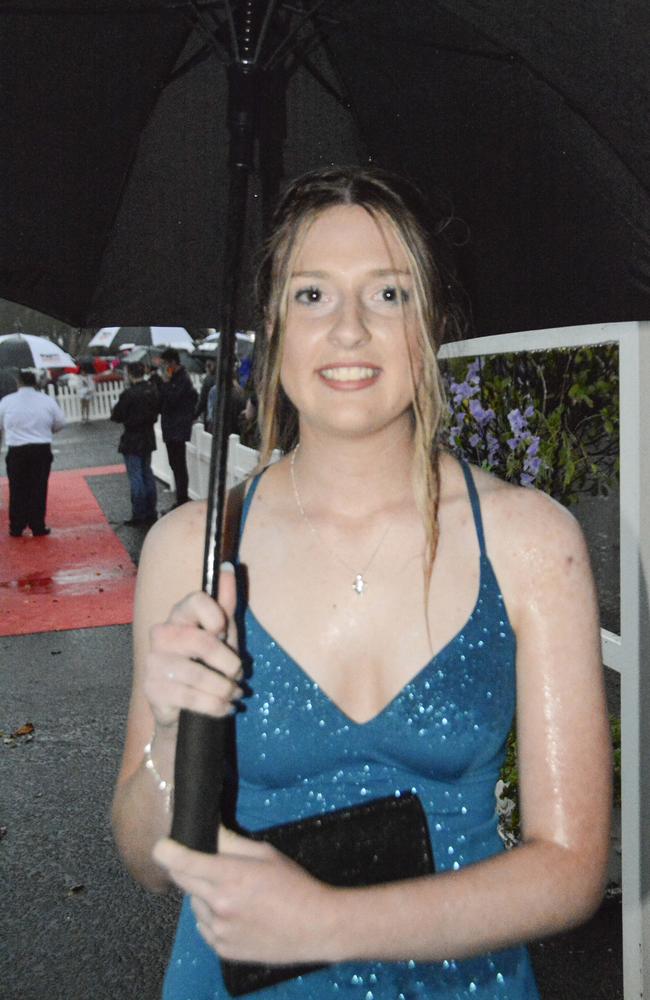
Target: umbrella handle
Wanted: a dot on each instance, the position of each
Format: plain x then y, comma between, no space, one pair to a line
199,772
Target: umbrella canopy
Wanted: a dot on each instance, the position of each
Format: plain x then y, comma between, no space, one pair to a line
244,344
528,122
110,338
22,350
8,383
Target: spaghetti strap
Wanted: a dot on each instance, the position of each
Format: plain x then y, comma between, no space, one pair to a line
476,506
248,499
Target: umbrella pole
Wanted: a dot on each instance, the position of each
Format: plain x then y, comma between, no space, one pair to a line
199,768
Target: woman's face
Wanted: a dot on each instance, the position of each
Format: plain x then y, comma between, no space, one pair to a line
350,322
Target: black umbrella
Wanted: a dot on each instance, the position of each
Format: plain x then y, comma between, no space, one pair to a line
24,350
527,122
8,381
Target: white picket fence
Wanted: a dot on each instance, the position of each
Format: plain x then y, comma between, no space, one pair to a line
102,402
104,398
241,461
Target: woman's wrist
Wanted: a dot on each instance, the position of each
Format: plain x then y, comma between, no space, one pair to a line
334,933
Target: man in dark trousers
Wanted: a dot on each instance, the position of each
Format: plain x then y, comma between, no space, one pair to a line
178,399
137,408
28,419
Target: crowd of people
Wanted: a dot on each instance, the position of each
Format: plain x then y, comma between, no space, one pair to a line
167,390
29,418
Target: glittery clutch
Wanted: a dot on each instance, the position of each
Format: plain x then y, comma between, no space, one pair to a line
383,840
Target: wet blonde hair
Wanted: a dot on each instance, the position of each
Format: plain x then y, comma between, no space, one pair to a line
391,200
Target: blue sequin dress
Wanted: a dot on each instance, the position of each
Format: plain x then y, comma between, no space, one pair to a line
442,736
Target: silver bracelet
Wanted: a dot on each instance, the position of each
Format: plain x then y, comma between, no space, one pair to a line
166,787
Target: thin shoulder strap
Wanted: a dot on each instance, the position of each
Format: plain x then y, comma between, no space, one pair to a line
476,506
245,507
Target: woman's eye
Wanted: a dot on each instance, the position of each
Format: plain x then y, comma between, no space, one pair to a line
308,295
391,293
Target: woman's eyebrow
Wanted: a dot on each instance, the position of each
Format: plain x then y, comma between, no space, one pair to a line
379,272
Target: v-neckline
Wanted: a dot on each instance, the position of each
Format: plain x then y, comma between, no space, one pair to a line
484,560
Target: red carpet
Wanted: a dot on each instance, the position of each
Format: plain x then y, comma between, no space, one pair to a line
80,576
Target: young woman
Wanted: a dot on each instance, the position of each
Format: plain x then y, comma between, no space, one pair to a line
399,608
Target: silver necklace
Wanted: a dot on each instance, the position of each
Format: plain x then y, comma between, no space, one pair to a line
360,583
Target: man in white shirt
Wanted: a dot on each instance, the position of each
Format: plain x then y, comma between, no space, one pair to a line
28,419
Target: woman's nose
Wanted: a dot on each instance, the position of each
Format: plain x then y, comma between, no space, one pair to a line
348,327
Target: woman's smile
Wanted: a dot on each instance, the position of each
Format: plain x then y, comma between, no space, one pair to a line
349,377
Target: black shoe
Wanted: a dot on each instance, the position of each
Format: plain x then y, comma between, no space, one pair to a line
43,531
16,534
135,522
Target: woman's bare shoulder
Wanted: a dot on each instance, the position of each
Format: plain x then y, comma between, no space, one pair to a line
171,556
521,515
179,527
534,542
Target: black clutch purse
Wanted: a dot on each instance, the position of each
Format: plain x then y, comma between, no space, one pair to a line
383,840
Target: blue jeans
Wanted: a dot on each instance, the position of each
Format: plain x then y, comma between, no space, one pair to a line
144,495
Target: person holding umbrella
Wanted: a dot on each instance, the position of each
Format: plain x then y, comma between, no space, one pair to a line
28,419
400,607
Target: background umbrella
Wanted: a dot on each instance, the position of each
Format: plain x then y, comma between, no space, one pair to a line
528,121
22,350
244,344
8,381
109,338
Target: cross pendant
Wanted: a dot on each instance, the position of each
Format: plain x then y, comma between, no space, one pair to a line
359,584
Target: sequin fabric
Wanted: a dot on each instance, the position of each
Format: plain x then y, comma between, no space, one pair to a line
442,737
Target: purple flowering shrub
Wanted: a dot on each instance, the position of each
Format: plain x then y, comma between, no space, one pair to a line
548,419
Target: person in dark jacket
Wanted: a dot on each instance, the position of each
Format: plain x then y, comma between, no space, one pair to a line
236,409
137,408
201,410
178,399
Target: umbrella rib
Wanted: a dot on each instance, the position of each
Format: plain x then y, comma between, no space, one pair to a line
203,53
329,88
233,31
200,22
263,30
284,44
539,75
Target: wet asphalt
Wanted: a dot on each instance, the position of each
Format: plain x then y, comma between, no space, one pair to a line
73,924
